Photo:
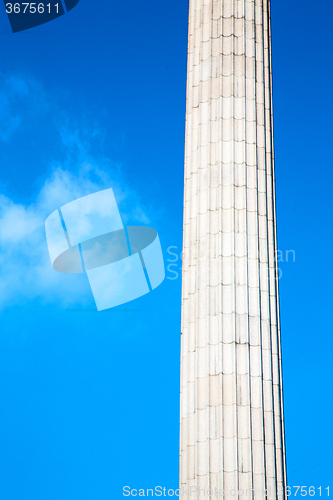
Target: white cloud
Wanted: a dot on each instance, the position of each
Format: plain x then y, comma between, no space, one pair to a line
17,221
26,271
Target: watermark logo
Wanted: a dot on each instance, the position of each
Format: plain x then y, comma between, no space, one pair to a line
175,258
195,493
251,493
87,236
25,15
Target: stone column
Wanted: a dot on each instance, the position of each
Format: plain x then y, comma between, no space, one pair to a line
232,430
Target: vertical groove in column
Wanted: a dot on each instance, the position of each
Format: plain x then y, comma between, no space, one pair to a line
260,118
277,305
269,358
262,409
247,250
271,283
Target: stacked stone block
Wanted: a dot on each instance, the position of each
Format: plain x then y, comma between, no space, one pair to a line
232,430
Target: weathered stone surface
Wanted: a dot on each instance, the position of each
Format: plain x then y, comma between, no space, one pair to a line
232,431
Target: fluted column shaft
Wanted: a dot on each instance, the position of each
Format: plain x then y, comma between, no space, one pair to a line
232,431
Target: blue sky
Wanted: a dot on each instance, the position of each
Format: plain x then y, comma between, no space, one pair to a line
96,99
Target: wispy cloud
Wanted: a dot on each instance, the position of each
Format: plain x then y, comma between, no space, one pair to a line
16,104
26,271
